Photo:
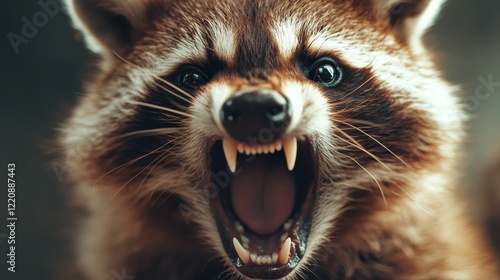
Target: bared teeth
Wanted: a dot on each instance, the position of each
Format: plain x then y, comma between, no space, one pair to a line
245,242
272,149
280,258
241,149
247,149
266,149
290,149
274,258
283,237
242,252
260,149
278,146
285,252
230,152
239,227
253,258
232,148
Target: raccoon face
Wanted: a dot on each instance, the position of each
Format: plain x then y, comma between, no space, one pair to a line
287,126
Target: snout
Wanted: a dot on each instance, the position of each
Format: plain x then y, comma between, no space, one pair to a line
256,116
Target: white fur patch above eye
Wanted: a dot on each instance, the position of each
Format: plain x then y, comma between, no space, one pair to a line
192,47
224,40
285,34
185,50
354,52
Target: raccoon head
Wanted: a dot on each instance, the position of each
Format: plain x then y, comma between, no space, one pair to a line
287,126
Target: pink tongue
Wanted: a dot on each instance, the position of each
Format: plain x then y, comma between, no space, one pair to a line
263,194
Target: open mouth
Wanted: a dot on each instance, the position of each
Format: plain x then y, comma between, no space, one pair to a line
264,203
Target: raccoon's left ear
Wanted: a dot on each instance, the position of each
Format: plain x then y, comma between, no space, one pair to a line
109,27
410,19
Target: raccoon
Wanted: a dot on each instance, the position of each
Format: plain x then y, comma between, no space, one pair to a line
266,139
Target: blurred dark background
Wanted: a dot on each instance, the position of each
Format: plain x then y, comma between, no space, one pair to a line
40,81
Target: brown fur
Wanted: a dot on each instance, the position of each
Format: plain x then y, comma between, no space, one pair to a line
401,218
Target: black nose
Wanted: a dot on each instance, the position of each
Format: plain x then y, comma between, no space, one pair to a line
256,116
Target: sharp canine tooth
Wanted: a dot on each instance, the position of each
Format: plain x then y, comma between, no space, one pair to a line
290,149
230,152
275,258
285,251
242,253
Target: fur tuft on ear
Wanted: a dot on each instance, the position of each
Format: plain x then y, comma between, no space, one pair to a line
108,26
410,19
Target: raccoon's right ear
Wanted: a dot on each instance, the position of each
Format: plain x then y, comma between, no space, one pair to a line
409,19
108,26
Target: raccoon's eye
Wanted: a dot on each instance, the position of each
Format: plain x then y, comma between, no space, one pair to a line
192,78
326,72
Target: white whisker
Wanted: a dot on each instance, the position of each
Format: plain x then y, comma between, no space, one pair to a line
373,138
190,97
373,177
149,132
160,108
356,144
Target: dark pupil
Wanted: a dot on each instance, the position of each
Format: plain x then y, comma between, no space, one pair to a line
193,80
325,74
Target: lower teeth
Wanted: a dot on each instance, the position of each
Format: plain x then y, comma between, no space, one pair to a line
245,256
